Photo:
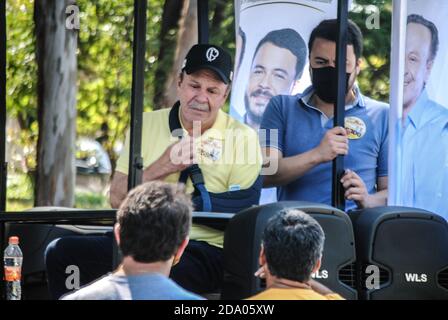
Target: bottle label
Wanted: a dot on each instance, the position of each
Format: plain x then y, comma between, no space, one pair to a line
13,273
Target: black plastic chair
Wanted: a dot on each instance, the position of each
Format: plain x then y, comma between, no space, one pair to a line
242,246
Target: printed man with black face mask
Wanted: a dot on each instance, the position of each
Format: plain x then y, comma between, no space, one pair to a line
307,141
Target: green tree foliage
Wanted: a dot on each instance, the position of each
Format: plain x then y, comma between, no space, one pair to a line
222,24
105,62
104,69
374,77
21,71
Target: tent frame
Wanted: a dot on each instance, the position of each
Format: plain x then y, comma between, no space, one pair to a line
95,217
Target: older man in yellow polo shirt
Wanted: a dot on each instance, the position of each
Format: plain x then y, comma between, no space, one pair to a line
226,152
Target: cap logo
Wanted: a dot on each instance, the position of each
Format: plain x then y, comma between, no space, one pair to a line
211,54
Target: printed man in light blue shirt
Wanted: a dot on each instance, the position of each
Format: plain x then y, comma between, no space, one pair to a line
424,168
307,141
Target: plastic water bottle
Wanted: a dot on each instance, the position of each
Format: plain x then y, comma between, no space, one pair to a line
13,259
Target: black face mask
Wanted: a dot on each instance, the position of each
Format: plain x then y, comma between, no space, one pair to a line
325,85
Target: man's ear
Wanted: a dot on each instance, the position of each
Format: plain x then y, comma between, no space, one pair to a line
228,89
180,251
317,266
429,66
359,65
117,233
262,257
294,85
180,78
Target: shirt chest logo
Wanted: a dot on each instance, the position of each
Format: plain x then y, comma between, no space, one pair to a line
356,128
210,149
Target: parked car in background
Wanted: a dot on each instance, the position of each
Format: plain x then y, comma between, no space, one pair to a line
93,167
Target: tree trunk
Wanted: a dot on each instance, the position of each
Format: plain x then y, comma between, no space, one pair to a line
56,58
187,37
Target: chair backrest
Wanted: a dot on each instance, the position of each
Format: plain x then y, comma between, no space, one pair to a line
409,248
242,246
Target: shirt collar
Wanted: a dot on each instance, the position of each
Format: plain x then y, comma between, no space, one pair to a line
219,125
305,97
416,115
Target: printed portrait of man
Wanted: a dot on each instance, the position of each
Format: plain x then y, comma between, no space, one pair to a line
277,64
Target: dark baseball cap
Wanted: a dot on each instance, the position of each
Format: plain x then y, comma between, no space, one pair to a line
207,56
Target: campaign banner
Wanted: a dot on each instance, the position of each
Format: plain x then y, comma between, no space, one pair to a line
419,108
272,55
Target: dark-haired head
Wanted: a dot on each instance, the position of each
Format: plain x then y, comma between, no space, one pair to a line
287,39
153,221
293,243
328,30
434,45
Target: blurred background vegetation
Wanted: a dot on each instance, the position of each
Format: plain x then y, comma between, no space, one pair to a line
105,74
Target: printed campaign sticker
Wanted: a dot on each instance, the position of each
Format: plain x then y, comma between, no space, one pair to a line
356,128
210,149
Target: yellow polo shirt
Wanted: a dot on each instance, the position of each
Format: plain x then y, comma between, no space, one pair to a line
293,294
228,154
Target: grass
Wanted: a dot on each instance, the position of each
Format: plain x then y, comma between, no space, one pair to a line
19,192
87,200
18,204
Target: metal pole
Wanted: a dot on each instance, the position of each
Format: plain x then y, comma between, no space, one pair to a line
2,271
338,200
138,70
3,164
399,23
203,26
